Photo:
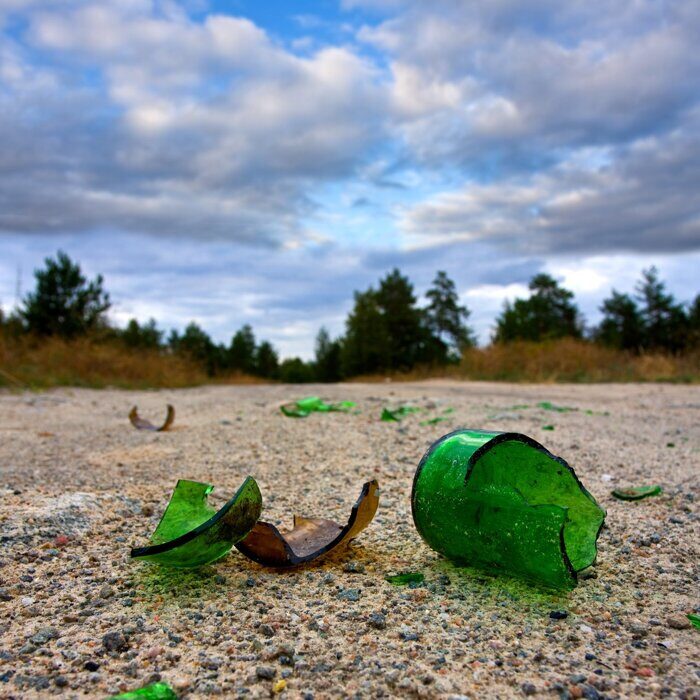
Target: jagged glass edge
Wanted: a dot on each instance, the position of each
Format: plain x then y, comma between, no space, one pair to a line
150,550
497,438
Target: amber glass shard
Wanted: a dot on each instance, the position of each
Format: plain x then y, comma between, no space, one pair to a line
155,691
314,404
311,537
636,493
143,424
192,533
502,502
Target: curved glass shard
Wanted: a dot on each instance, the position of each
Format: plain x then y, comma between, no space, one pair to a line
314,404
502,502
192,533
636,493
311,537
155,691
143,424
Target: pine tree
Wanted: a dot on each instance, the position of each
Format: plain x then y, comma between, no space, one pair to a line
549,313
266,360
622,325
328,357
241,352
64,303
664,319
446,318
365,349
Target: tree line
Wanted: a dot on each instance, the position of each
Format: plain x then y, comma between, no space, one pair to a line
386,330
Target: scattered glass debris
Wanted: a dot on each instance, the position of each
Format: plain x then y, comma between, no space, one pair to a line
314,404
549,406
155,691
547,427
406,578
636,493
311,537
504,503
143,424
694,620
192,533
396,414
434,421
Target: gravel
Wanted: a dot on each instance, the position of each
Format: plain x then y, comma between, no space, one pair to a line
79,486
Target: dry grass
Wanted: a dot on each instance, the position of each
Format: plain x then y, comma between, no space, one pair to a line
570,360
39,364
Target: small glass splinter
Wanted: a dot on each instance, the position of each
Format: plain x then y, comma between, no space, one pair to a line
155,691
143,424
192,533
502,502
311,537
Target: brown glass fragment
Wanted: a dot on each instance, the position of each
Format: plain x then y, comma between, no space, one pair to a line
143,424
311,537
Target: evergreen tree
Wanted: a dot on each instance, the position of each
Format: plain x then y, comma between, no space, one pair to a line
296,371
266,361
241,353
664,319
549,313
621,326
142,337
196,344
64,303
328,357
694,323
446,318
365,349
409,340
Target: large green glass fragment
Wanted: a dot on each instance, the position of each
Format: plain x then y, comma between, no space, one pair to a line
502,502
155,691
192,533
314,404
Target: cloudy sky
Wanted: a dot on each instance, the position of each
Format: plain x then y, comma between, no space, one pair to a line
237,162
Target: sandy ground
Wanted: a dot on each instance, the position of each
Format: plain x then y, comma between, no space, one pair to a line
79,487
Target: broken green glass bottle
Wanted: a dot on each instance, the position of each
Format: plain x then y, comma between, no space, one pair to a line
314,404
155,691
192,533
503,503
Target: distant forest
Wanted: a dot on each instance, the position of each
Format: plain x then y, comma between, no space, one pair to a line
385,332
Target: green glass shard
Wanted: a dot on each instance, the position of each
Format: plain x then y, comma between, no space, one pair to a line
694,620
434,421
405,579
155,691
192,533
397,414
314,404
547,427
549,406
502,502
636,493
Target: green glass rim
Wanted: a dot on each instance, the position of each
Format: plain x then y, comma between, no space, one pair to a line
497,439
149,550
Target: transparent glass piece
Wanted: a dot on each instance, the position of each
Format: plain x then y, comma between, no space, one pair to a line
143,424
311,537
192,533
314,404
502,502
405,579
396,414
155,691
636,493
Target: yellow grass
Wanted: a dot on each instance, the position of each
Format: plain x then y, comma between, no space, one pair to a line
42,363
570,360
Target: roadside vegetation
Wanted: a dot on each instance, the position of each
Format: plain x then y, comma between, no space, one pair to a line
61,335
